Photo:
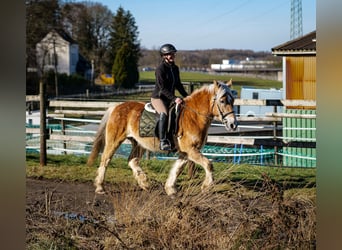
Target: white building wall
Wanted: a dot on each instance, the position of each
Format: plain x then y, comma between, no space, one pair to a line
63,56
260,94
67,54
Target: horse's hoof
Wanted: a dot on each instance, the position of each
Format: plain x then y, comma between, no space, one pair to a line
206,188
172,196
170,191
142,182
100,191
145,187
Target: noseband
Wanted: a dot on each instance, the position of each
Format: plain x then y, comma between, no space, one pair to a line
224,115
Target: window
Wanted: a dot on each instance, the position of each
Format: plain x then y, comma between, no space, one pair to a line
54,59
255,95
50,59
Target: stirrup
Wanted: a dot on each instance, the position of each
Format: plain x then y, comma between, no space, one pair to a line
165,145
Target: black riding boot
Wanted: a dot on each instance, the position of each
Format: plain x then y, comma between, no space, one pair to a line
164,143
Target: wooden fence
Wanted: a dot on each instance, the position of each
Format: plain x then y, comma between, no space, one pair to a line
65,111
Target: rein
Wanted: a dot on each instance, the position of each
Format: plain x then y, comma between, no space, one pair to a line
223,115
210,116
196,112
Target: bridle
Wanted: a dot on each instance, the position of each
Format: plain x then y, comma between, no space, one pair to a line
223,115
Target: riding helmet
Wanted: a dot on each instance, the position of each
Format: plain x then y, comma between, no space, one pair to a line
167,48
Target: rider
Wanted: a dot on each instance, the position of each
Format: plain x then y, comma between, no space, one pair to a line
167,81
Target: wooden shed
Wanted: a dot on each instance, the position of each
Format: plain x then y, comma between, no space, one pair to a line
299,83
299,68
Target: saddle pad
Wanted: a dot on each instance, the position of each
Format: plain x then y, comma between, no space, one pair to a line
147,124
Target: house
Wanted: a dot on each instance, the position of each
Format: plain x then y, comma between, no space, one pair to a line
299,68
299,83
59,49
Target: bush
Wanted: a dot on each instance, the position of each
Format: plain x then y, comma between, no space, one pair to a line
67,85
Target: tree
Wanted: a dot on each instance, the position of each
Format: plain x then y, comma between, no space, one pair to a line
101,18
89,24
41,17
125,49
124,68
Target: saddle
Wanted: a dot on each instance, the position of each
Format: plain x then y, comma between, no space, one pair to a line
148,124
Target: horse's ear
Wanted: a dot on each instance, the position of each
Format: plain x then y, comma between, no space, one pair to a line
230,83
216,83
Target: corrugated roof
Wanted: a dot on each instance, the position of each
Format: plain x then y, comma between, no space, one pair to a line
300,46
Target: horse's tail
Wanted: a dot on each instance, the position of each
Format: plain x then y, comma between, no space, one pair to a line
100,138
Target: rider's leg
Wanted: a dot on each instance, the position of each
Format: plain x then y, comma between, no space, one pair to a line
162,111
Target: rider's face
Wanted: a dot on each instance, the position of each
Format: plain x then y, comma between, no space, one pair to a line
170,57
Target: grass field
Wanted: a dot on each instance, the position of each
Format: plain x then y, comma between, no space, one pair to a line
238,82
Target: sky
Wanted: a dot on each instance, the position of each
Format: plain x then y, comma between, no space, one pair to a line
257,25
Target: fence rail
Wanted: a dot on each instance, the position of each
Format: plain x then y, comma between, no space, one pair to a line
103,104
63,110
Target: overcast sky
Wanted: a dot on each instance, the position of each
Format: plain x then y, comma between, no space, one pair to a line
258,25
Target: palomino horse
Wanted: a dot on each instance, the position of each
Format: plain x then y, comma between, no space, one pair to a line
212,102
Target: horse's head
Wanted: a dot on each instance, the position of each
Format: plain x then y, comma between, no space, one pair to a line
223,105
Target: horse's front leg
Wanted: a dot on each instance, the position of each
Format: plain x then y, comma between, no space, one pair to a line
176,169
197,157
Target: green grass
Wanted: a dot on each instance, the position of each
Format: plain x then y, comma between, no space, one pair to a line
148,77
74,168
238,82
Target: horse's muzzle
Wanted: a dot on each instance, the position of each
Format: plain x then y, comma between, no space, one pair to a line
230,123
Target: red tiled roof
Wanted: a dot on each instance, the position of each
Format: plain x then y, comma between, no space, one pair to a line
299,46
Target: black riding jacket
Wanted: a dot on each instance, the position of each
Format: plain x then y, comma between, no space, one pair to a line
167,81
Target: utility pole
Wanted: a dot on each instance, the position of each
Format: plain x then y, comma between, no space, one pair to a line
42,107
92,73
296,29
55,62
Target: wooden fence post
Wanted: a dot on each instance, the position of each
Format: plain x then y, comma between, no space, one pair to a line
63,133
42,107
275,138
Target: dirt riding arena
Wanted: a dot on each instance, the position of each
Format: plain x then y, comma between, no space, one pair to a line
68,215
68,196
56,208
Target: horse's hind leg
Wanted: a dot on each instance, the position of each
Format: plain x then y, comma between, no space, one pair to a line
139,174
136,154
175,171
108,152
